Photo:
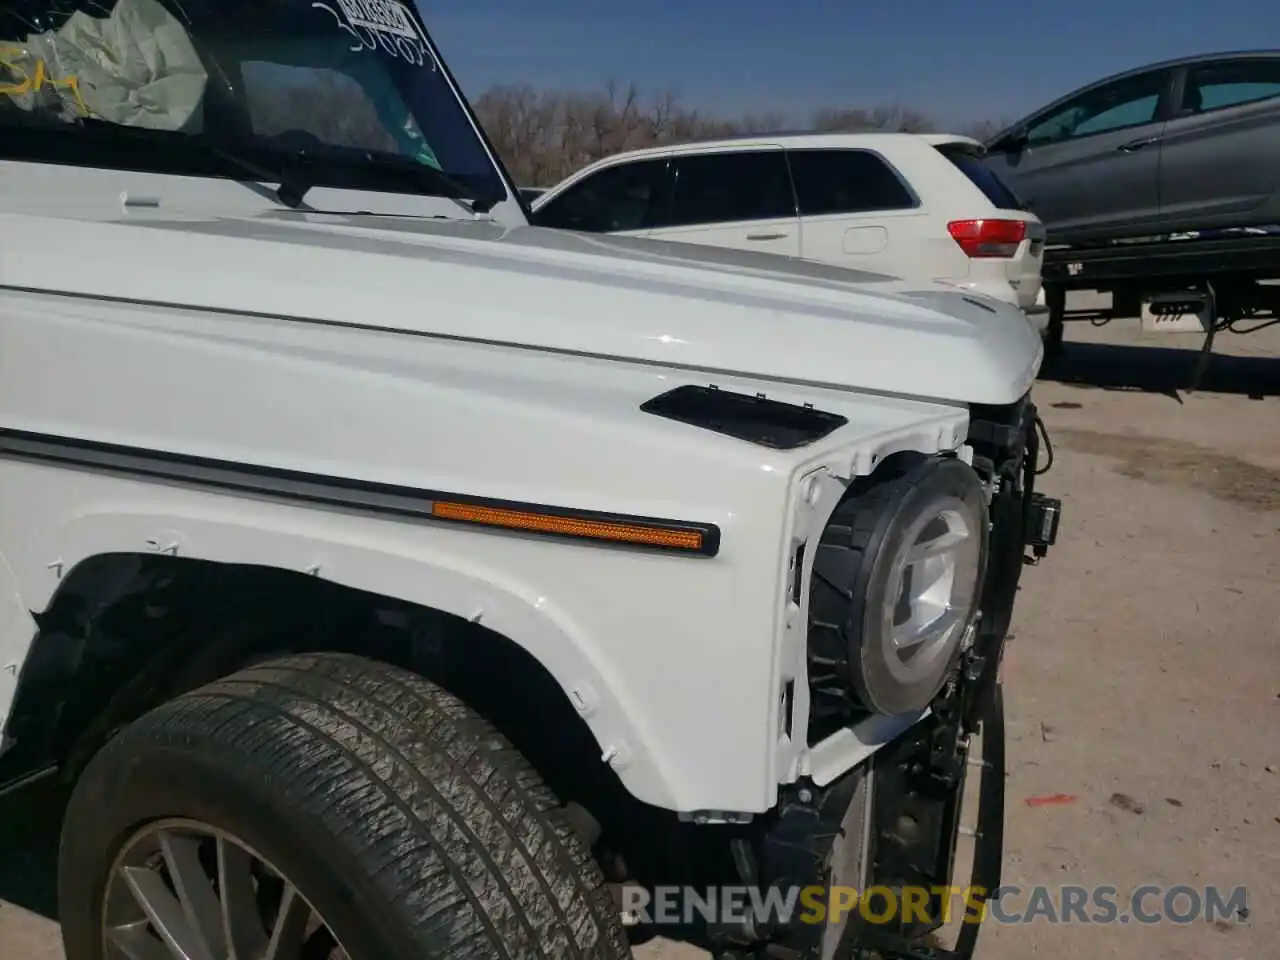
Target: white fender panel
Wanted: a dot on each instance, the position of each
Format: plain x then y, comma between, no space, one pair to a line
16,630
614,692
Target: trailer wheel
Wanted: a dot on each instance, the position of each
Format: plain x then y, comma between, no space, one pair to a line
324,805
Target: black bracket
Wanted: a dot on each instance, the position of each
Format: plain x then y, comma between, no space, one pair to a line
1044,515
872,941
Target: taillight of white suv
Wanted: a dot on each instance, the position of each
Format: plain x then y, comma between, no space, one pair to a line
988,238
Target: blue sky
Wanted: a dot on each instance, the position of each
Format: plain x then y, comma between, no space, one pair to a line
955,59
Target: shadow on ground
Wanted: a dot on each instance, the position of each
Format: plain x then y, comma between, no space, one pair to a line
1171,462
1162,370
29,821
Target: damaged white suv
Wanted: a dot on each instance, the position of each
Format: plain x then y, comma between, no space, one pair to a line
385,578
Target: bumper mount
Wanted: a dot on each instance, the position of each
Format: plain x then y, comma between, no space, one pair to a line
1045,513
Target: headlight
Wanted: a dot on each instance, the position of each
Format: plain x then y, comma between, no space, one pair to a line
904,561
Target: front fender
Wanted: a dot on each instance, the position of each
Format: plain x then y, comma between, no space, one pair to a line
16,629
361,555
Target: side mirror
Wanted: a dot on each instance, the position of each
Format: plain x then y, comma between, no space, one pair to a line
1013,143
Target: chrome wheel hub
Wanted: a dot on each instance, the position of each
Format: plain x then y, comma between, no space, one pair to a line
936,580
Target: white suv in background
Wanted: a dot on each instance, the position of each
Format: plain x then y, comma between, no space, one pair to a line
918,206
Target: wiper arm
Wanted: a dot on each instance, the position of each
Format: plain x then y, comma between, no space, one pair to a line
292,188
456,189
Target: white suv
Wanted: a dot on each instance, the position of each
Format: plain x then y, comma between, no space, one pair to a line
921,207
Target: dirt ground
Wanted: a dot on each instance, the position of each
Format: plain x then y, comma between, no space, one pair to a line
1143,681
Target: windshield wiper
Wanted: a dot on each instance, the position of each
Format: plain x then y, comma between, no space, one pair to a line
457,189
292,188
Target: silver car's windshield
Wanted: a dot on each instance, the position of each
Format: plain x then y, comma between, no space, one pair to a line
344,93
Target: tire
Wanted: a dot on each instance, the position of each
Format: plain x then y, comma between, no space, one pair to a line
409,824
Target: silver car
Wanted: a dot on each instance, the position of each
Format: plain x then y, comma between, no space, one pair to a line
1184,145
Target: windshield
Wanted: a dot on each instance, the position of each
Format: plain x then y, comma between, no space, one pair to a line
341,93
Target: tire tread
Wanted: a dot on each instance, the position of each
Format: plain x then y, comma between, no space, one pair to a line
840,551
450,822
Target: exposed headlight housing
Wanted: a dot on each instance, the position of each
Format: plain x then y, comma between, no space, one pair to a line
897,583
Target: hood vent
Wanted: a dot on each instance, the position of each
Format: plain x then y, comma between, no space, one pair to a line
755,419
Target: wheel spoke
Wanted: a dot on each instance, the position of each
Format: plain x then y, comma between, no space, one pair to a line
908,641
241,923
292,925
933,595
181,890
937,546
133,941
199,902
165,913
322,945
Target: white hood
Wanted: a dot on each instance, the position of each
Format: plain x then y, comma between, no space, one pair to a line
674,305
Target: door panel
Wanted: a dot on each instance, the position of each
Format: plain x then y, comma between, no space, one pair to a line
857,211
740,199
1220,155
1091,165
781,237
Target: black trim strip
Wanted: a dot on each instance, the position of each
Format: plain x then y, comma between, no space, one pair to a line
10,787
363,495
1118,262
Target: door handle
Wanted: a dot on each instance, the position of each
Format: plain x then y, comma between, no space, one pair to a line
766,236
1134,145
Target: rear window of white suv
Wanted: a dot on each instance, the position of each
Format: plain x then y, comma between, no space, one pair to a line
846,181
981,176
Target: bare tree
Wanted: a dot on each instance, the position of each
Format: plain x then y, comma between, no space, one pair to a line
568,129
983,130
892,119
545,135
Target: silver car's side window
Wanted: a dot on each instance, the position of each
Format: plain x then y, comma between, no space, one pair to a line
1216,86
1130,102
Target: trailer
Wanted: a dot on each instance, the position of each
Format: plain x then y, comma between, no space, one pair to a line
1225,281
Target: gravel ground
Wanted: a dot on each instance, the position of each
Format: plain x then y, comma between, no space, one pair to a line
1144,677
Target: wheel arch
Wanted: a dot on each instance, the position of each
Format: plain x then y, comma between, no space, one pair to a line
92,583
